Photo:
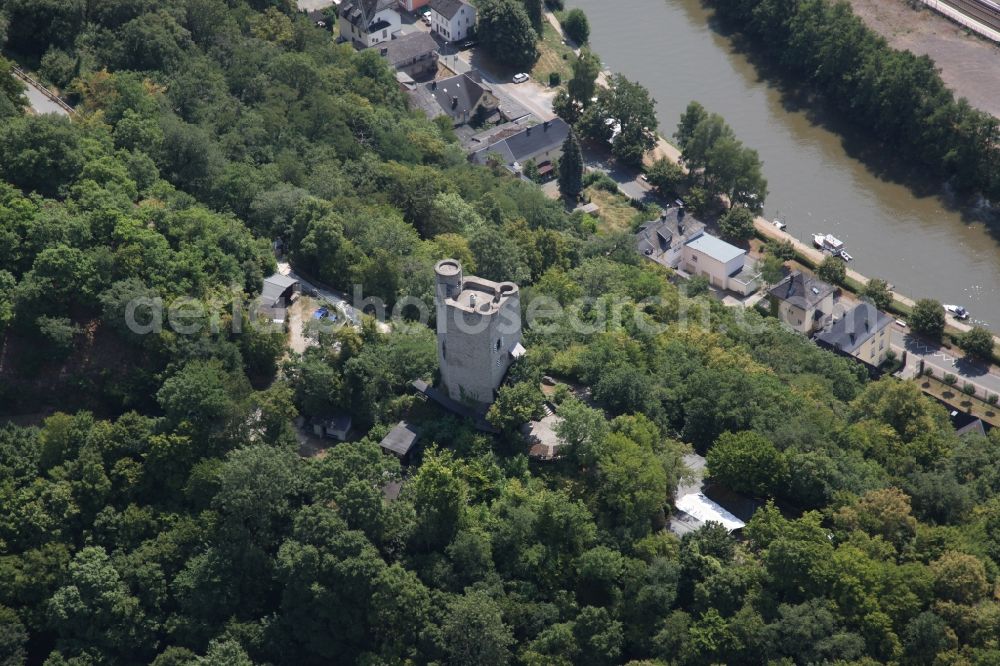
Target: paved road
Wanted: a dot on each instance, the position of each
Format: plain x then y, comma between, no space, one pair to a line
531,95
943,361
41,103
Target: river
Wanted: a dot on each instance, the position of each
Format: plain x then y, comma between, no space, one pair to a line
913,241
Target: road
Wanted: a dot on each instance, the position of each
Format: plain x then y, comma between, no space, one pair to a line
40,102
531,95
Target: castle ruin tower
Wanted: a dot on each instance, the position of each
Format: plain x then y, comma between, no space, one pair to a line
479,333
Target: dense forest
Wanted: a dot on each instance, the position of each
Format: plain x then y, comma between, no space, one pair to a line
894,95
160,512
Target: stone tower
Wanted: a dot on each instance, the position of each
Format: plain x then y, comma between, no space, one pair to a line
479,333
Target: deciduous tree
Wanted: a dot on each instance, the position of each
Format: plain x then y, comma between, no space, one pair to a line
737,224
747,462
978,342
576,26
506,33
927,318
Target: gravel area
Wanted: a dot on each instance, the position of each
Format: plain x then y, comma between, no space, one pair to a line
970,66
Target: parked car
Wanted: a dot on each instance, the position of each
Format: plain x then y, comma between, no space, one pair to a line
426,18
467,44
521,77
779,225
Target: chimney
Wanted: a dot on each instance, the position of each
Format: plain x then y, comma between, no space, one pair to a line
454,102
527,131
545,126
434,85
472,300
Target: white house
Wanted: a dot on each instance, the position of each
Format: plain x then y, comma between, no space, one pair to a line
723,264
679,241
369,22
454,20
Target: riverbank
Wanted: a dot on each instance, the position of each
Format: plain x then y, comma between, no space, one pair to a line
967,64
823,177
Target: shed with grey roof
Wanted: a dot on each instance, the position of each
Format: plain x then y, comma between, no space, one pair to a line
277,293
400,440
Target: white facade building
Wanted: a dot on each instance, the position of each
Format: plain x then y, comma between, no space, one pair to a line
454,20
368,22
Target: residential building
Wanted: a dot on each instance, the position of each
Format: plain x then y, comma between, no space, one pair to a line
454,20
400,440
862,332
662,240
277,293
679,241
479,333
723,264
368,22
804,303
463,98
337,426
542,143
416,54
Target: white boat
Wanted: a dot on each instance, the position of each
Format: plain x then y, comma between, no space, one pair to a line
779,225
956,311
845,256
828,242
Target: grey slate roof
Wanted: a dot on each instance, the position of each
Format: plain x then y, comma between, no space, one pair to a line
447,8
855,328
529,141
458,95
274,287
805,292
407,48
361,12
400,439
672,228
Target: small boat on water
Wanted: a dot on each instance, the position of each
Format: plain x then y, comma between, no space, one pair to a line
828,242
957,311
845,256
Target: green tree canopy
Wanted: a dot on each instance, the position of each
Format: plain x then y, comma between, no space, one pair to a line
747,462
927,318
571,168
507,34
576,26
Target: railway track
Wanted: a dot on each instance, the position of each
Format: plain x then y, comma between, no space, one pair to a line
987,13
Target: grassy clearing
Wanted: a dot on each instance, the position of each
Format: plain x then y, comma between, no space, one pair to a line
616,213
554,56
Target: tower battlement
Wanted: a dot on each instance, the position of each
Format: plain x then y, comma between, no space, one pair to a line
479,332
